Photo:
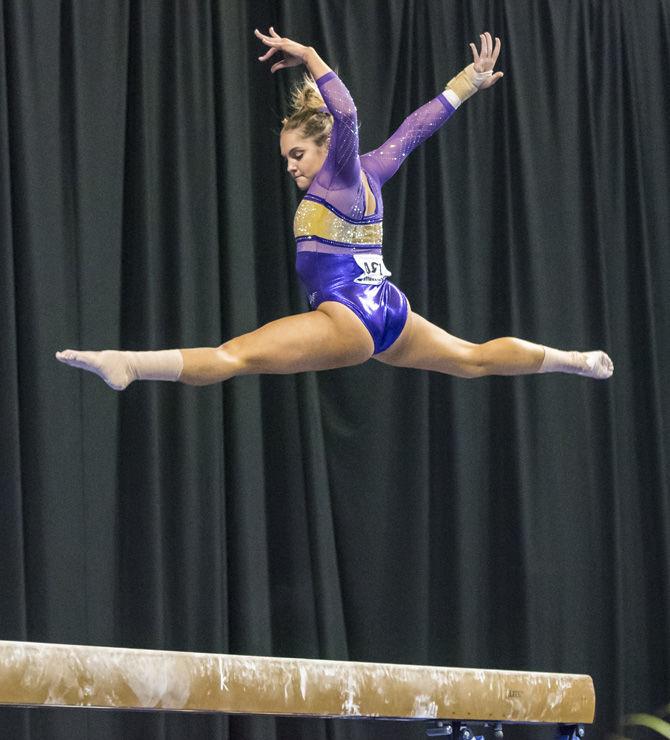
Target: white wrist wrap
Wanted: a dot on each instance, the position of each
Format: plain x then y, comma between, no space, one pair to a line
481,77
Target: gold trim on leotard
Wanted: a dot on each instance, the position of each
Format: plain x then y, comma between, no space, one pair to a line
314,220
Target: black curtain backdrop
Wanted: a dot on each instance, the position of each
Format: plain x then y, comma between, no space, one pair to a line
368,513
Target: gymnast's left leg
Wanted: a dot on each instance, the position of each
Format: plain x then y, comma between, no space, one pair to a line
424,346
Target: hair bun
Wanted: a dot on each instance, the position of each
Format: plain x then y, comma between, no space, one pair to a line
305,97
308,112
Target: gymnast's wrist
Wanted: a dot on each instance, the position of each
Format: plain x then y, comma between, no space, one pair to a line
465,84
316,66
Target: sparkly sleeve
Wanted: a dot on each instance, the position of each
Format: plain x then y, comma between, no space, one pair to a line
342,168
384,161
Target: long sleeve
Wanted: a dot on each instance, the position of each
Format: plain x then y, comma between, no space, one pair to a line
342,168
384,161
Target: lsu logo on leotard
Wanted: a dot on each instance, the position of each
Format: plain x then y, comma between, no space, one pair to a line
373,267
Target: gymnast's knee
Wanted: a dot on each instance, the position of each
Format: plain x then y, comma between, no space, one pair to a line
475,362
236,353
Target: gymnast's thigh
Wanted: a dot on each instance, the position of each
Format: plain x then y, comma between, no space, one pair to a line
425,346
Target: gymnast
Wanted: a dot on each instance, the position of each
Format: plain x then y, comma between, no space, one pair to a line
357,313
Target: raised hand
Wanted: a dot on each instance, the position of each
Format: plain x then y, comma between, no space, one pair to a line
294,53
485,59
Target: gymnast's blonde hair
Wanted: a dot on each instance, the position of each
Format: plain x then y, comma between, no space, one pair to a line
308,112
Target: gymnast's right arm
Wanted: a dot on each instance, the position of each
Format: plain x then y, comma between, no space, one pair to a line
385,161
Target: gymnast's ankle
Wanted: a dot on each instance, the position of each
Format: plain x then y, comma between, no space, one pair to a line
119,369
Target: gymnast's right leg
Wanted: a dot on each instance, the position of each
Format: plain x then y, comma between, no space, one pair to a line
330,337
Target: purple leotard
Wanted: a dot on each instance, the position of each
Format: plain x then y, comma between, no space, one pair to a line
338,224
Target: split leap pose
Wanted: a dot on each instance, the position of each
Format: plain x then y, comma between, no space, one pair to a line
357,313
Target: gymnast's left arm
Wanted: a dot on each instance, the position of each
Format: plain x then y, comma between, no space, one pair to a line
385,161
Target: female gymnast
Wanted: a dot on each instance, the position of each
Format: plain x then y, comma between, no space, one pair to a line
356,312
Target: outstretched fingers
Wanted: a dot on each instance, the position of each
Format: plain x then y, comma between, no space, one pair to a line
272,41
293,52
267,40
485,46
485,58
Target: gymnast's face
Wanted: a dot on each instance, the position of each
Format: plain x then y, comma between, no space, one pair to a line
304,158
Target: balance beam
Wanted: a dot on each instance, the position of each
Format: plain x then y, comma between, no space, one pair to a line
39,674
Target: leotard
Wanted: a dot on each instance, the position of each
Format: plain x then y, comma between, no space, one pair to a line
338,224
